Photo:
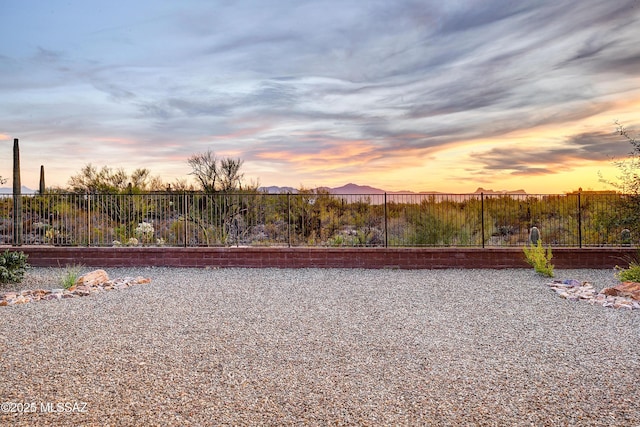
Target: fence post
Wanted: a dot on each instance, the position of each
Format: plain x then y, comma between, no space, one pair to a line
88,195
579,222
386,235
235,221
186,216
482,217
288,219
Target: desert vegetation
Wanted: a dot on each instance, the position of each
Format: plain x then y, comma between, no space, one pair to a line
317,218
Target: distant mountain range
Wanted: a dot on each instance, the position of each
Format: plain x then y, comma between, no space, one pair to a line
9,190
344,190
366,189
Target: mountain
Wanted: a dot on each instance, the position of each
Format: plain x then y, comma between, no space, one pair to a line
506,192
355,189
352,188
24,190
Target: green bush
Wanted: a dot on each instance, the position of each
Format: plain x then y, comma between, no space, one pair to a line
71,275
631,274
539,258
12,266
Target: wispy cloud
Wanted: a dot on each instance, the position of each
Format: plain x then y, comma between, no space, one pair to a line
570,153
323,86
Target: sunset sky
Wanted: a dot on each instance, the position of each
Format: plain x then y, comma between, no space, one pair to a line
402,95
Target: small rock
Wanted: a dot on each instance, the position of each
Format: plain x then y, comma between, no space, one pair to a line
20,299
571,282
625,289
93,278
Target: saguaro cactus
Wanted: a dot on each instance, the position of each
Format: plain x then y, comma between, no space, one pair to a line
534,235
17,196
42,188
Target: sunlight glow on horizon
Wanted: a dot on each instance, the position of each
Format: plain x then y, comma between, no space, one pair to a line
442,172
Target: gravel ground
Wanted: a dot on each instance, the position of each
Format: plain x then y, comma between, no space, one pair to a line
322,346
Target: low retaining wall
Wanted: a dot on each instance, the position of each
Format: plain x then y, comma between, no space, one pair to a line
406,258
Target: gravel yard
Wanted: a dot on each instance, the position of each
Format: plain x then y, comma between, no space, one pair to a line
321,346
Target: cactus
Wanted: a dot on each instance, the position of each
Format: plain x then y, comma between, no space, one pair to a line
534,235
17,196
42,188
625,236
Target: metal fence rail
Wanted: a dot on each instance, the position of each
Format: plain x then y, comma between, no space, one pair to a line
258,219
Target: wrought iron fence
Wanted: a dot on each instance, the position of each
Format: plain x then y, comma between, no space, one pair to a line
311,219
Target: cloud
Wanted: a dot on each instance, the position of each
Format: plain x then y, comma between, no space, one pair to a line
488,13
117,92
326,84
572,152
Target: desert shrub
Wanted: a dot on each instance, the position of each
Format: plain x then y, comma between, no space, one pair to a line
539,258
430,230
144,232
630,274
70,275
12,266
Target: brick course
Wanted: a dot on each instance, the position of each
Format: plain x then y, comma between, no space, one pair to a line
405,258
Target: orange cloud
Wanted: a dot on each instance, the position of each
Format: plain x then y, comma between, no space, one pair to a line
337,155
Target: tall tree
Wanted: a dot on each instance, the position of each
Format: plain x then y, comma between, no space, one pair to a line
629,178
214,174
230,176
204,166
628,183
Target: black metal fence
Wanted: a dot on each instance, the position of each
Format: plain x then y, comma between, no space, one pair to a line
311,219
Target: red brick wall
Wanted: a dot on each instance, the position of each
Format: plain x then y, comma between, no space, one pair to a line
416,258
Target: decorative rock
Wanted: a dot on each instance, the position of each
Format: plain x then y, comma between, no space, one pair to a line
626,289
623,304
41,292
93,278
21,300
616,297
572,282
86,285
